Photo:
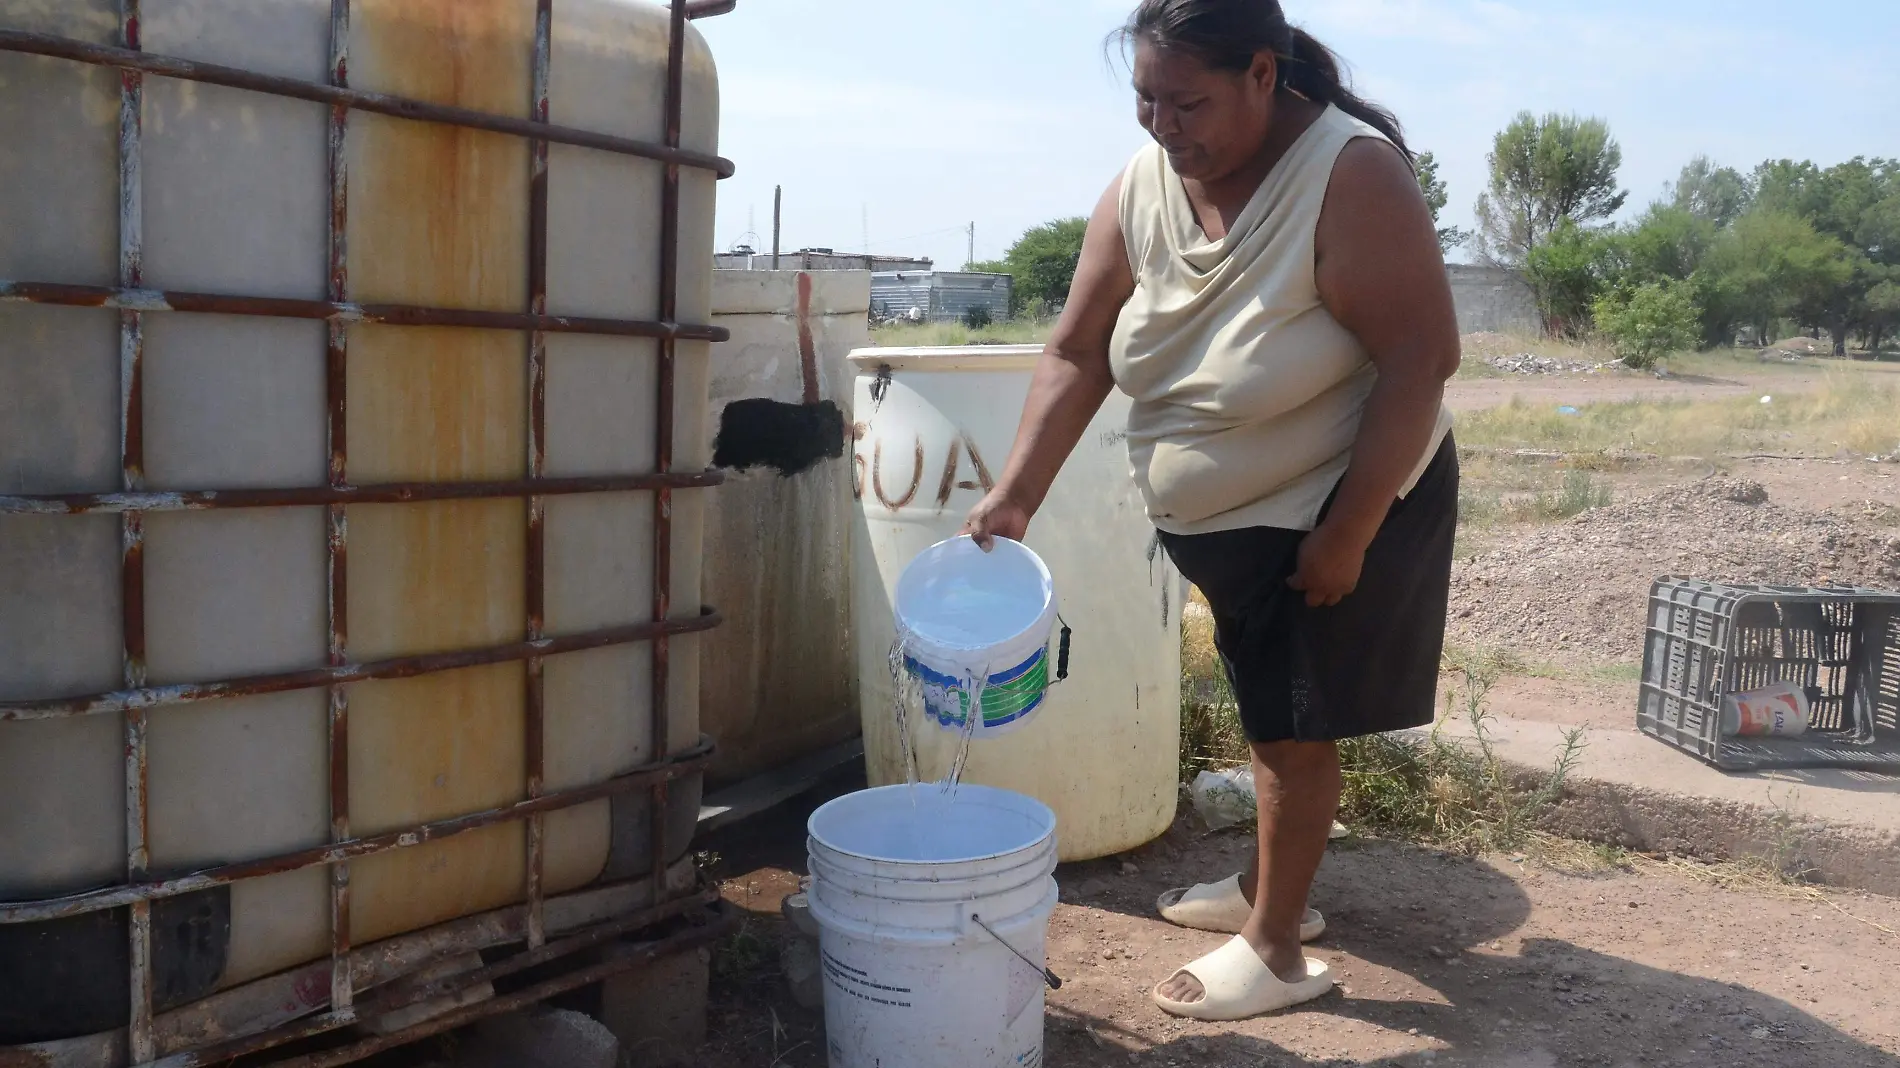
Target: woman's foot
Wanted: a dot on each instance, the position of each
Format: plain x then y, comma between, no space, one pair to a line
1223,907
1235,983
1287,964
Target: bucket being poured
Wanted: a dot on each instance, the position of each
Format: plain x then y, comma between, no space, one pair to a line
963,615
932,915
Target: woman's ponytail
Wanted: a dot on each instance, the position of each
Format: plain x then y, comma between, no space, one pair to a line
1312,70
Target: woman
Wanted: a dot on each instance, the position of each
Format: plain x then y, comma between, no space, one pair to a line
1265,282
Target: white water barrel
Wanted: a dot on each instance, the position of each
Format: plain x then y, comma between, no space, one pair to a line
934,427
235,197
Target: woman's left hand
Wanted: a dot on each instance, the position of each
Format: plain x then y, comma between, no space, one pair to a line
1330,560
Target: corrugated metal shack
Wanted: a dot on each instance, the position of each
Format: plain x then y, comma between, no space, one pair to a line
938,296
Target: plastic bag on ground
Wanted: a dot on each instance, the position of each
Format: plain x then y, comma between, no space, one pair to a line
1226,799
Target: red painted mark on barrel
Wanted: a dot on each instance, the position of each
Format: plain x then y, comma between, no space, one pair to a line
807,351
976,461
916,477
949,482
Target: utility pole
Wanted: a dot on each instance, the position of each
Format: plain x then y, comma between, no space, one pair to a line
971,258
778,217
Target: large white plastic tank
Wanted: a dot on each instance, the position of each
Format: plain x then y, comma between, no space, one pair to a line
236,200
933,428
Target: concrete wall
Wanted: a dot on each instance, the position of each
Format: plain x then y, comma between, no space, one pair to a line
777,678
1492,299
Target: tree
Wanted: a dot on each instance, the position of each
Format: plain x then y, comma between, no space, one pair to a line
1544,171
1568,270
1716,195
1883,306
1041,264
1773,265
1849,203
1667,244
1436,197
1649,322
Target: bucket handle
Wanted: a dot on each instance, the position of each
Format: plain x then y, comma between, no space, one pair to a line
1062,651
1048,976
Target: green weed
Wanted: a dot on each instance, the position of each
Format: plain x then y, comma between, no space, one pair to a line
1455,794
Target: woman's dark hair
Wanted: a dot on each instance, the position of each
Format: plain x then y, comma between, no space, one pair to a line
1227,34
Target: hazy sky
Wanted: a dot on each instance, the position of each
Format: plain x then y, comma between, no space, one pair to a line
924,115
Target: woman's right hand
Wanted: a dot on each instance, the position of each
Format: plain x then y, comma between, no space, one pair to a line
997,515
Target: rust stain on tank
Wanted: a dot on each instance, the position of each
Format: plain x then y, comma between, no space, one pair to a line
427,749
436,577
438,216
436,404
807,350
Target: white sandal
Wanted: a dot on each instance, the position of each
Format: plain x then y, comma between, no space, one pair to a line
1221,907
1238,985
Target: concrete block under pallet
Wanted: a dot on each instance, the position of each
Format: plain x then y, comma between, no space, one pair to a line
538,1038
659,1011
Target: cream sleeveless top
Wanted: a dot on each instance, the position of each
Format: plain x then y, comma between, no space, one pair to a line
1247,392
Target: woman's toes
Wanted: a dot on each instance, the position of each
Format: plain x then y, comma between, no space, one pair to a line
1183,988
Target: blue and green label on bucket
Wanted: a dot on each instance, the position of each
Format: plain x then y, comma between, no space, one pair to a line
1008,696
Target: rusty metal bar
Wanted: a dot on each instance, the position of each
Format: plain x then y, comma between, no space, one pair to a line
620,959
132,298
534,720
337,519
341,494
315,678
663,434
40,44
80,904
143,1044
403,993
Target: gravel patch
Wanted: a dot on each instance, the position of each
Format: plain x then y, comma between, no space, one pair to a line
1578,590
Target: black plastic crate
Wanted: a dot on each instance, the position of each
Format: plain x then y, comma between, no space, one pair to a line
1708,640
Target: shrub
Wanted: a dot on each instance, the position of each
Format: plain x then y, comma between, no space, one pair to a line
1649,322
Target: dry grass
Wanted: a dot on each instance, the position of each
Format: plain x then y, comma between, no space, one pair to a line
1849,412
1014,332
1211,737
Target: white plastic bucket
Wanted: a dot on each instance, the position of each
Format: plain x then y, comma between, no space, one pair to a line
965,613
932,915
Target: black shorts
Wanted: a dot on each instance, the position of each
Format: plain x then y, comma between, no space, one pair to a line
1367,665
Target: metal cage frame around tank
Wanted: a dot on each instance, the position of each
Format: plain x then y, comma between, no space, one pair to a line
606,953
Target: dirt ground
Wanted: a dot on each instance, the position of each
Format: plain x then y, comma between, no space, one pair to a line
1490,963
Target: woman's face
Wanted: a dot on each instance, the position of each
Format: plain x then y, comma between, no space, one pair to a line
1210,122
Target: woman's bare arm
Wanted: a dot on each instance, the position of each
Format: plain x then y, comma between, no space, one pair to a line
1381,274
1072,379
